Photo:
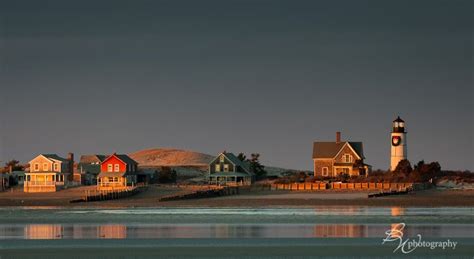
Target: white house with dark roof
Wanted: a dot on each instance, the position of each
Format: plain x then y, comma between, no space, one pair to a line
48,173
331,159
227,169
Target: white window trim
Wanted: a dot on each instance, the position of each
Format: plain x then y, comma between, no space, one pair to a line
110,168
56,167
45,166
226,167
36,167
347,158
116,168
222,159
325,171
218,168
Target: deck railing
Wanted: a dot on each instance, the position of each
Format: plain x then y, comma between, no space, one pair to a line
110,184
42,183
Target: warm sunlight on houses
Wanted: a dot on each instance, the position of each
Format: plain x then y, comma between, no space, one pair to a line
331,159
117,172
48,173
227,169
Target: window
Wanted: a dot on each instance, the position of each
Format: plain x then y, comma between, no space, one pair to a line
347,158
345,170
226,168
218,168
325,171
110,168
45,167
37,167
222,159
116,167
56,166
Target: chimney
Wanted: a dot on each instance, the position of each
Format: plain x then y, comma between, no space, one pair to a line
338,137
70,157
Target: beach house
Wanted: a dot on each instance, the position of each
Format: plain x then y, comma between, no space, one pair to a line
117,172
227,169
48,173
88,169
331,159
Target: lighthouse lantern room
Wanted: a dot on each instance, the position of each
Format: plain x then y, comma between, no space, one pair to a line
398,143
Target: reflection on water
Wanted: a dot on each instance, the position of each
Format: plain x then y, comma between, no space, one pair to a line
43,231
156,231
333,230
397,211
317,211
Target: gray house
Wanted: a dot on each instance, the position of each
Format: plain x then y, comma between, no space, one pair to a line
88,169
227,169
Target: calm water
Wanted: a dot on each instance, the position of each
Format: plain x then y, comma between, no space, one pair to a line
158,231
50,228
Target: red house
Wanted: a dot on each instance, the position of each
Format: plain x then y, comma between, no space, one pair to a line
117,172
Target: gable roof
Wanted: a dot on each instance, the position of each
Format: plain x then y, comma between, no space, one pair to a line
88,159
54,157
331,149
234,160
124,158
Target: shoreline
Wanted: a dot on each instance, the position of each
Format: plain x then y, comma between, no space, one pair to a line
250,199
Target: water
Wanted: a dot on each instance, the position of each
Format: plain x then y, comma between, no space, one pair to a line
33,231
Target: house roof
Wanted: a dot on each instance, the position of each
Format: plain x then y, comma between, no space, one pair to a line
55,157
88,168
125,158
18,172
236,161
330,149
94,158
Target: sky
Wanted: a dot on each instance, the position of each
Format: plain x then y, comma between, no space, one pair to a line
263,76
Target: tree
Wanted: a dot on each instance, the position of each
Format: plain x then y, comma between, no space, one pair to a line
255,166
403,167
424,172
166,175
14,164
242,157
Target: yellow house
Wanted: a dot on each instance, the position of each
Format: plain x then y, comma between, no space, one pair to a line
48,173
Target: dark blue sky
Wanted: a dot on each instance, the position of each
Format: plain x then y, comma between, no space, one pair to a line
244,76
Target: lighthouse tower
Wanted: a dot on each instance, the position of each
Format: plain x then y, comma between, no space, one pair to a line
399,143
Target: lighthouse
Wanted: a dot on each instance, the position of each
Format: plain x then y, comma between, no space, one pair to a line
399,143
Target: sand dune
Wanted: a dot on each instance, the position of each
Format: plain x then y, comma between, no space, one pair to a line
170,157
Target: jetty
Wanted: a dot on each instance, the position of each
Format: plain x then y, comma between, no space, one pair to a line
200,194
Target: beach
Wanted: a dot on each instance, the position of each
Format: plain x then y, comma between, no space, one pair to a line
251,198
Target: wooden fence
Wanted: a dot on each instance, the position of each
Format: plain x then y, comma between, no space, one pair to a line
348,186
96,195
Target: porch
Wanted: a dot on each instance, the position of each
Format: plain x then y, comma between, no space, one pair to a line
230,179
43,182
115,183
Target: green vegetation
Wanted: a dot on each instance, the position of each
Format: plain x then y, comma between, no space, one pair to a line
254,165
167,175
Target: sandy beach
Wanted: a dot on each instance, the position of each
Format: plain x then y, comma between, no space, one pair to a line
254,198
